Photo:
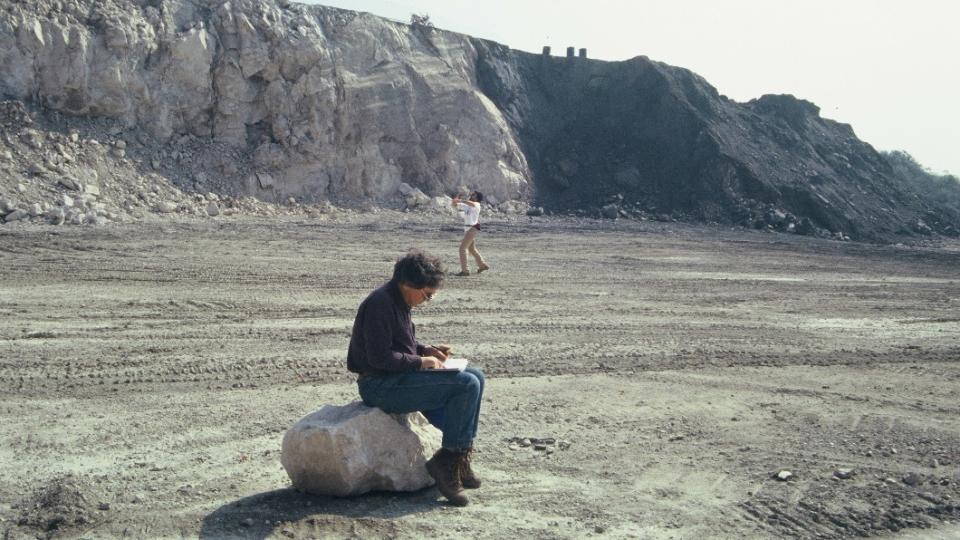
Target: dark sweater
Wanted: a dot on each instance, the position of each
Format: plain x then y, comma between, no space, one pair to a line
384,336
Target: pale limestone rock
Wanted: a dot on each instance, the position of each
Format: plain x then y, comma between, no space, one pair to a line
165,207
346,105
416,198
56,215
353,449
70,183
213,209
16,215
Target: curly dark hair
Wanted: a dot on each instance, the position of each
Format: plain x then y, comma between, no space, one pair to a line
477,196
419,270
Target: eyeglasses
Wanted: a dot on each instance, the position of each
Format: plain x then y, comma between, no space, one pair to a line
427,296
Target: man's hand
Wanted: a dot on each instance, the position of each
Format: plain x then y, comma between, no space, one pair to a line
430,362
440,351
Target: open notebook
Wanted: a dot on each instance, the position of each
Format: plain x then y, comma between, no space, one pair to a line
453,364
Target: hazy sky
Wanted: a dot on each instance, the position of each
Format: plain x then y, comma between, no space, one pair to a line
889,68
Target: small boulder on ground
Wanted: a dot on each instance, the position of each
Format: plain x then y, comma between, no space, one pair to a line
353,449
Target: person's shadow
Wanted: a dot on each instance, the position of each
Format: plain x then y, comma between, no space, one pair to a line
259,516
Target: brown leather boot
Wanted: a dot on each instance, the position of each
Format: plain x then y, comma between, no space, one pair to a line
444,468
467,478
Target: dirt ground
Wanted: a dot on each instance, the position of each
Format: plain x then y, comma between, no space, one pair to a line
663,374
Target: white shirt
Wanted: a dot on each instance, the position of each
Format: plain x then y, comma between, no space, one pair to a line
471,215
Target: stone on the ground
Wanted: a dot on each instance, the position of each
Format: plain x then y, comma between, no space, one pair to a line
353,449
784,476
213,210
843,474
416,198
56,216
16,215
165,207
70,183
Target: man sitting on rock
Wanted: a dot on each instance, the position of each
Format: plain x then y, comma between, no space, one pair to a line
397,373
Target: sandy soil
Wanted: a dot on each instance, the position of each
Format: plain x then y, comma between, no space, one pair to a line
668,372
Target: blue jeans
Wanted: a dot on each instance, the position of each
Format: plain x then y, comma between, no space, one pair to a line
458,393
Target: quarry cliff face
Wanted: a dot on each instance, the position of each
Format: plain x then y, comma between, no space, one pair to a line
327,102
275,99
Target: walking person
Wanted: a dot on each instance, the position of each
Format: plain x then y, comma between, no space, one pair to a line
397,373
471,226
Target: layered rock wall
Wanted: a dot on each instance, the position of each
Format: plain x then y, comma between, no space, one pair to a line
329,103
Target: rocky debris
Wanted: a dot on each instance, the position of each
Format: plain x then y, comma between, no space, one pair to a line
61,505
535,211
413,197
353,449
70,183
610,211
547,445
783,476
165,207
16,214
843,474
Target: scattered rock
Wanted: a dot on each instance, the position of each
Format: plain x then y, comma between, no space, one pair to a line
843,474
213,209
36,169
912,479
70,183
784,476
165,207
61,505
56,216
16,215
610,211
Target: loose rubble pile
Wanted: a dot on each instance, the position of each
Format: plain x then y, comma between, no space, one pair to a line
72,171
63,504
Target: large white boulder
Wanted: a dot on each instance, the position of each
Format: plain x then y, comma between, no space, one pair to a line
353,449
